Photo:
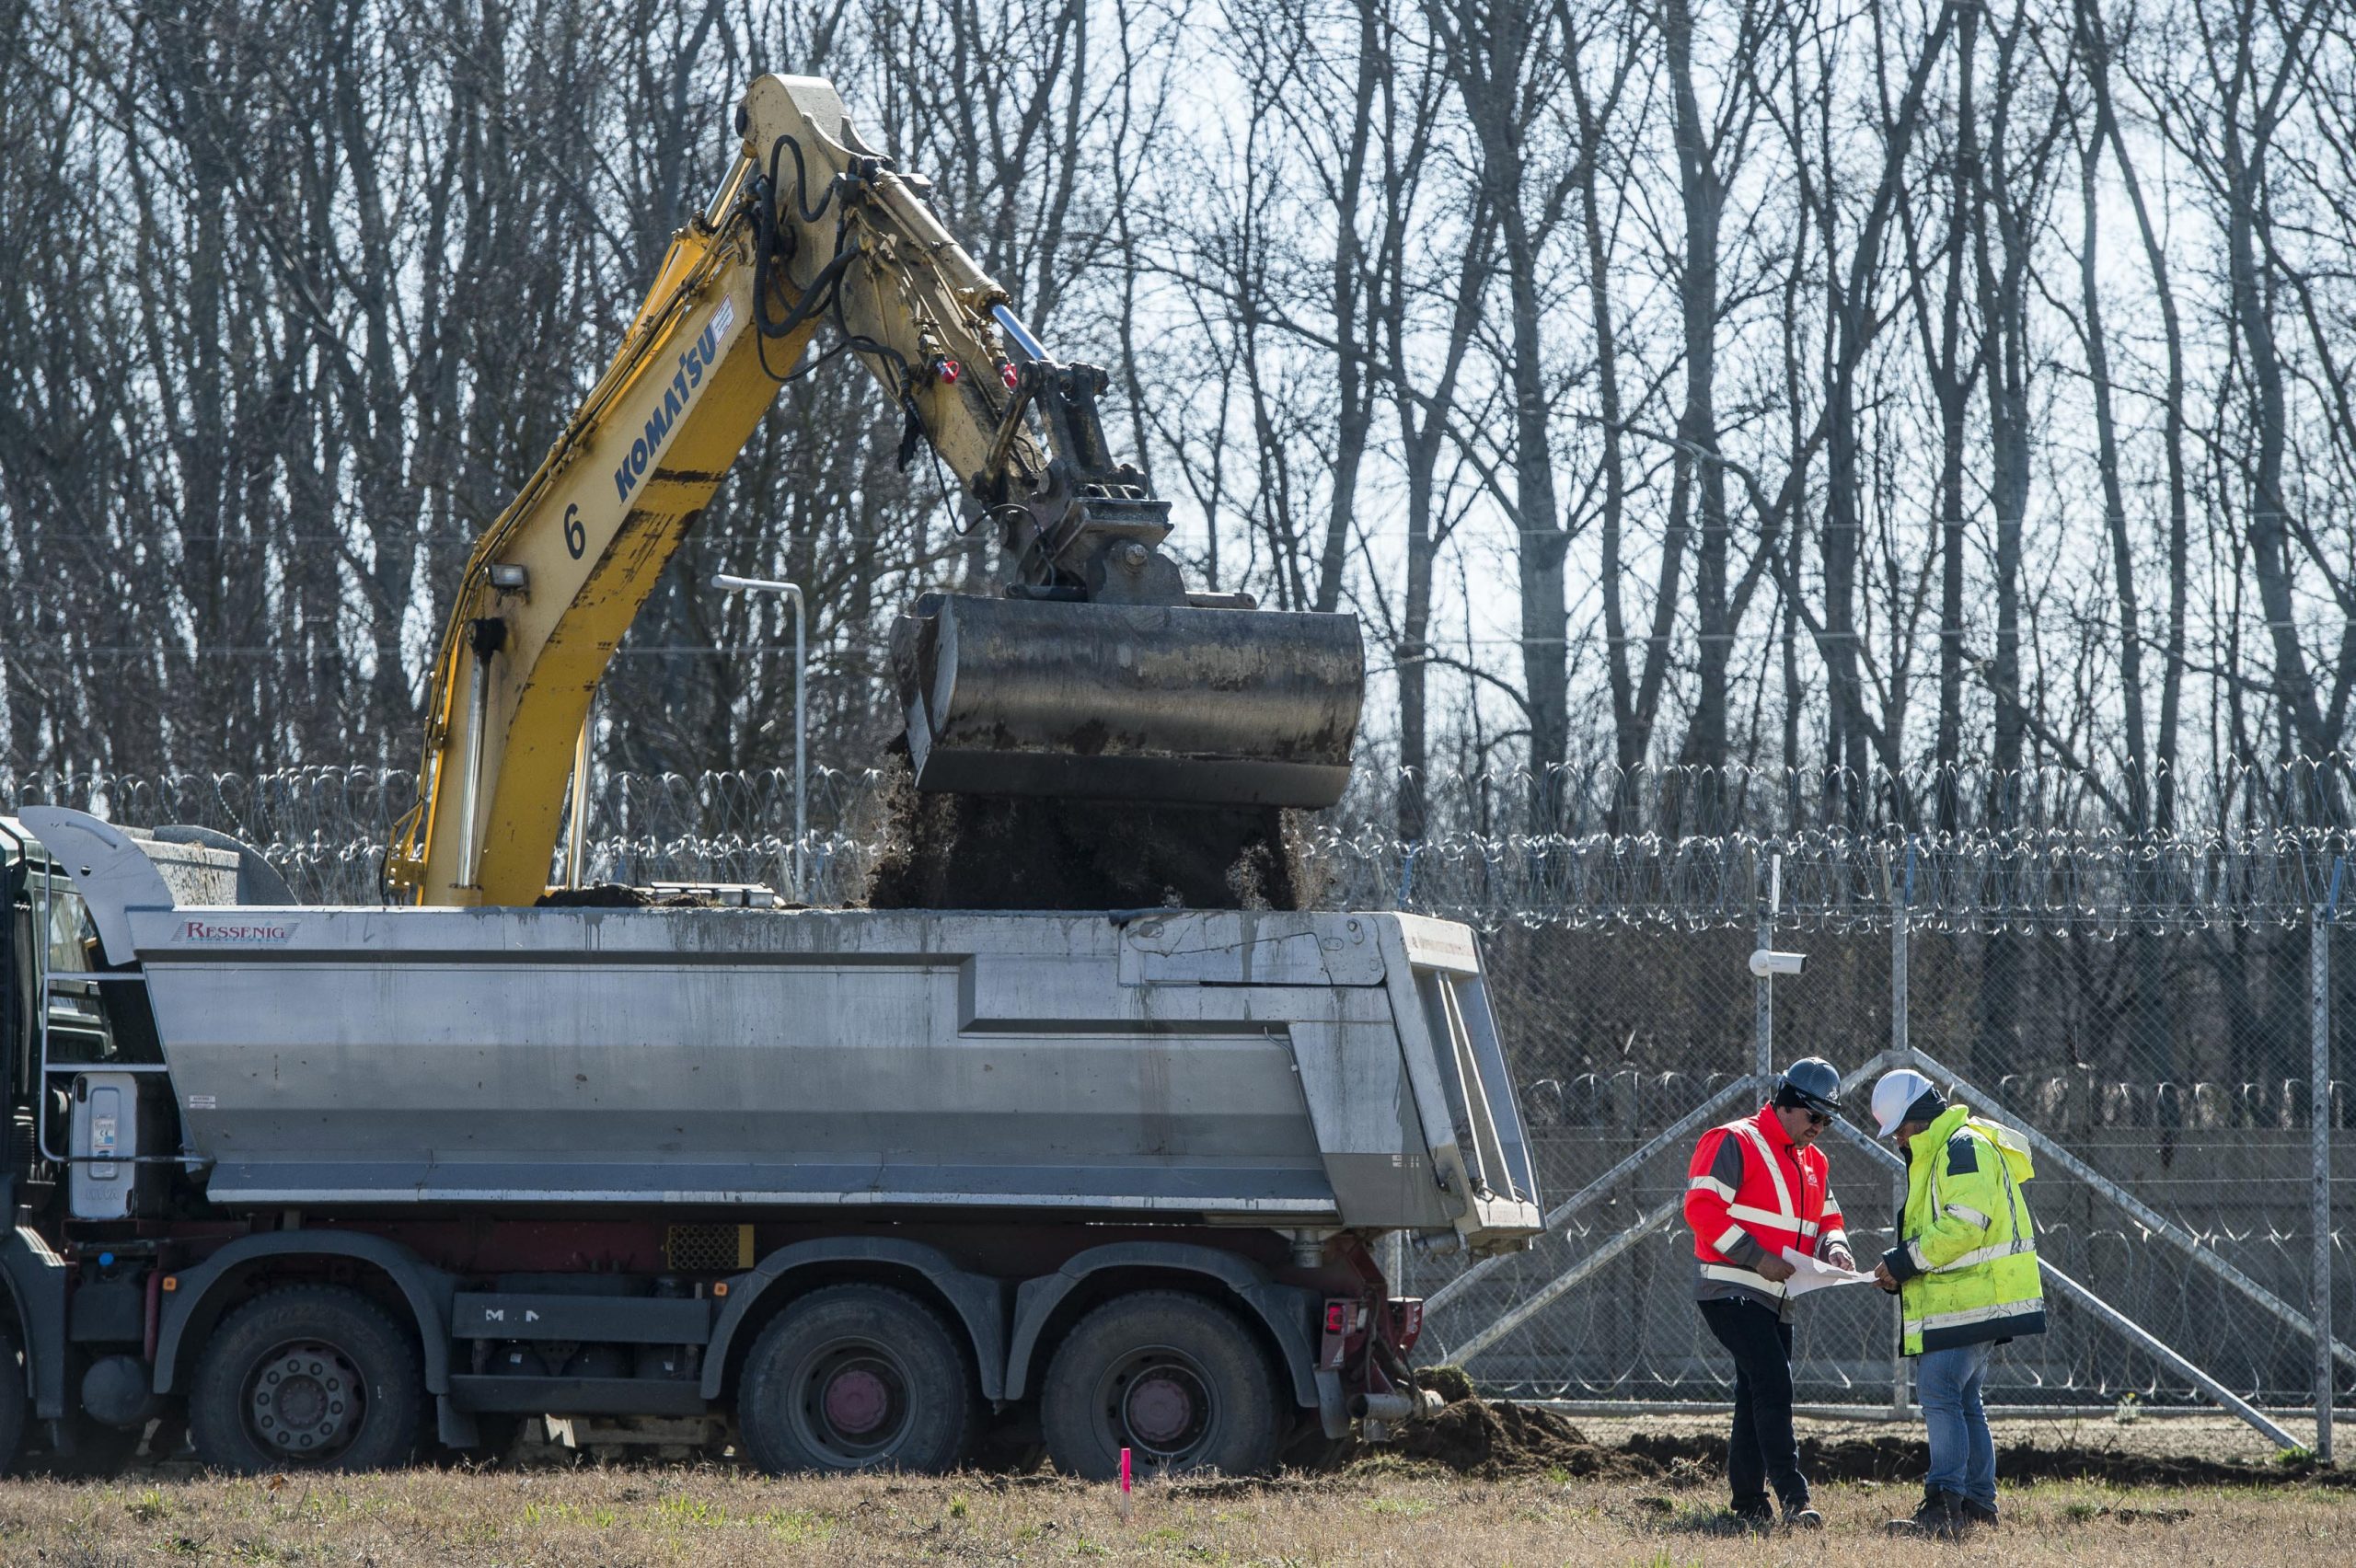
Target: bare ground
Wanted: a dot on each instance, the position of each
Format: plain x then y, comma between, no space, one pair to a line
1501,1440
1385,1510
710,1516
2217,1439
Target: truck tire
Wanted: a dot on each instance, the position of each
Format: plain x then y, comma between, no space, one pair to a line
15,1404
308,1376
1176,1379
857,1376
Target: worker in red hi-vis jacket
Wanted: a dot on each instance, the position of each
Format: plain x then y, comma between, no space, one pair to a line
1757,1188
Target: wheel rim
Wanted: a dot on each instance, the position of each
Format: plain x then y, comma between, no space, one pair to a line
304,1402
1157,1401
853,1404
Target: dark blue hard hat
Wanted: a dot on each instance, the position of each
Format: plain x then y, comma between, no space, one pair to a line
1811,1083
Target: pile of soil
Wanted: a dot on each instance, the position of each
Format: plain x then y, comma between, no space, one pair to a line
616,895
1496,1439
949,851
1907,1459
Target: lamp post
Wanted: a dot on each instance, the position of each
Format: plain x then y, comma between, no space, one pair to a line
727,583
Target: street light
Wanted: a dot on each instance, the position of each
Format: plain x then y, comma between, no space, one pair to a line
727,583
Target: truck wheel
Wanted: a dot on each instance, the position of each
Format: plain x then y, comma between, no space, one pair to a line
15,1403
856,1376
1176,1380
308,1376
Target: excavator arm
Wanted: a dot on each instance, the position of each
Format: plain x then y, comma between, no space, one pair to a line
1094,673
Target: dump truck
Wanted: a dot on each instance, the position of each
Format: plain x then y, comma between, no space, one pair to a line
838,1187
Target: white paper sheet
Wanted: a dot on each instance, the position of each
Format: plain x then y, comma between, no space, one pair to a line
1814,1274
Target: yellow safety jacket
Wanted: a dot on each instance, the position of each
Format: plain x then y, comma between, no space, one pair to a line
1966,1258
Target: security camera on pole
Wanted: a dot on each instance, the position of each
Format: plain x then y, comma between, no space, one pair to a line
1765,964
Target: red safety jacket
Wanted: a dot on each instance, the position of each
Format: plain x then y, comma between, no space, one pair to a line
1751,1191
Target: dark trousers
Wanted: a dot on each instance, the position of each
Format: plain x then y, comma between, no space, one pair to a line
1762,1446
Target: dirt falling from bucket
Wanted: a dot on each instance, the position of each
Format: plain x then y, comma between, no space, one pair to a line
945,851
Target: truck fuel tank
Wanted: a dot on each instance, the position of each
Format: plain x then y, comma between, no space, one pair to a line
117,1117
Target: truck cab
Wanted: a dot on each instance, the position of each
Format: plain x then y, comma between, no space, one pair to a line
83,1074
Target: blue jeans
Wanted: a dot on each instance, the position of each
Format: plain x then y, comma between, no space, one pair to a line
1963,1457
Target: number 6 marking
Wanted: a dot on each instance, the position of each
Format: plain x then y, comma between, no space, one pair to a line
576,538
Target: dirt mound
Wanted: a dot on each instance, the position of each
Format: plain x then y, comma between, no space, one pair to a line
944,851
1497,1439
1494,1440
1907,1459
615,895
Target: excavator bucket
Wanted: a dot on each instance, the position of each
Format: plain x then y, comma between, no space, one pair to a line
1162,703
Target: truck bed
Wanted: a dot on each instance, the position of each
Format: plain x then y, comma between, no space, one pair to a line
1296,1070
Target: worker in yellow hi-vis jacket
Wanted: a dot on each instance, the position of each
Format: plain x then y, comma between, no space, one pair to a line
1965,1272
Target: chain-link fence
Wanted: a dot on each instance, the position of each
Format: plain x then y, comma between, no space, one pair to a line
2164,1012
2169,1080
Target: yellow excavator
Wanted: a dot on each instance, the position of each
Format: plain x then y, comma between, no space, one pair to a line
1095,674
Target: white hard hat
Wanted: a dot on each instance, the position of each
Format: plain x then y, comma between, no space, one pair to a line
1898,1089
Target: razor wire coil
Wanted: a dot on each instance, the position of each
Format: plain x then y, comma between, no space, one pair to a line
2139,996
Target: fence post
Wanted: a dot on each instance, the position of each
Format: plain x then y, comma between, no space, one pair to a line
2319,1125
1902,898
1763,989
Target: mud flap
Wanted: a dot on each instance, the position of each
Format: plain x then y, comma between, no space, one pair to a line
455,1428
1333,1407
36,1279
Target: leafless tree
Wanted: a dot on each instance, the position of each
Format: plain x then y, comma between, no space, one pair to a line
1858,386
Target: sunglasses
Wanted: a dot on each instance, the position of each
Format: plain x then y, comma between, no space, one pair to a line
1819,1118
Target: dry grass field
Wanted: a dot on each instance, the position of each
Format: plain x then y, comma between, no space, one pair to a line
2243,1510
710,1516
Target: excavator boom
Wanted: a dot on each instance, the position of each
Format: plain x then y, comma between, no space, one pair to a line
1095,671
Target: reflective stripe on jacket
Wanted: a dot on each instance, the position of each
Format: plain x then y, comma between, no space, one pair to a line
1967,1262
1751,1191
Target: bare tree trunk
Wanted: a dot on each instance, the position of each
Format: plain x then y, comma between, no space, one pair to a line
2253,114
2154,1024
1703,191
2097,46
1632,712
1499,61
1854,321
1546,604
1424,411
1953,377
1355,388
2010,203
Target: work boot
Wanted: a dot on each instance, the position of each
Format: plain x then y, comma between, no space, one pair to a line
1751,1513
1940,1517
1981,1514
1802,1516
